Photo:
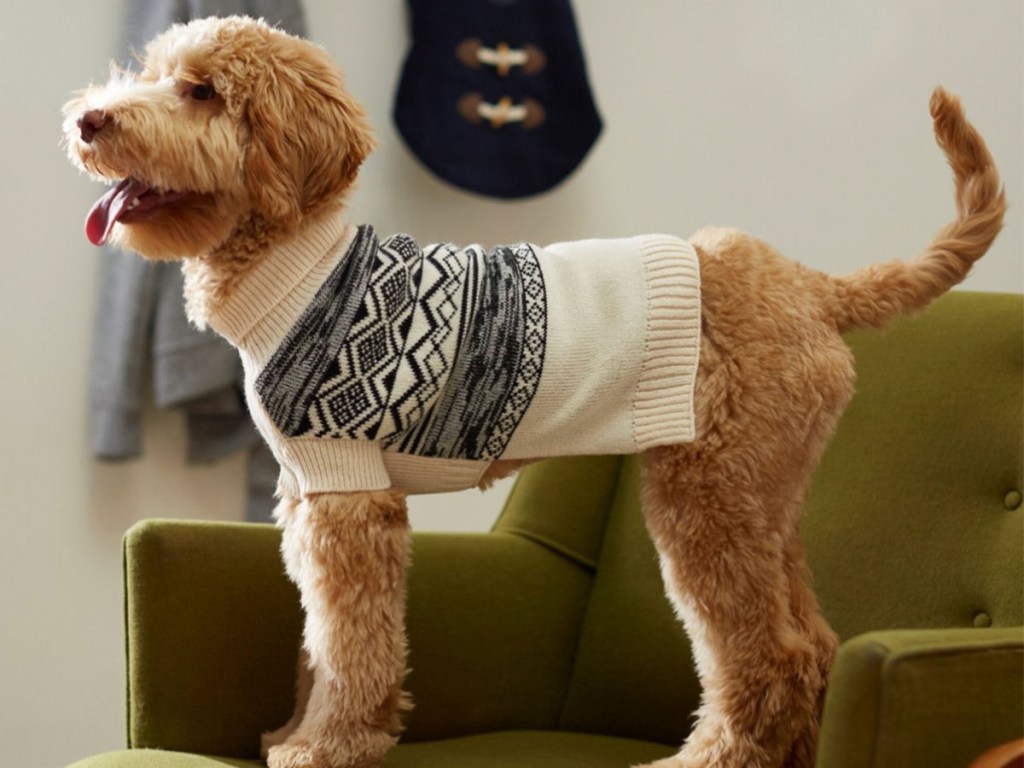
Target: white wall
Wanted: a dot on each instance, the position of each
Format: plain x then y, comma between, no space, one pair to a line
805,123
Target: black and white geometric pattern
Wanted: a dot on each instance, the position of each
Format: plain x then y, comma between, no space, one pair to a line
499,362
431,342
437,353
290,382
531,361
353,398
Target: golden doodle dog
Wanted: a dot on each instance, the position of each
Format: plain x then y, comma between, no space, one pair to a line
233,150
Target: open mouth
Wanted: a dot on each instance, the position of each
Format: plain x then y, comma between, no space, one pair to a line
129,200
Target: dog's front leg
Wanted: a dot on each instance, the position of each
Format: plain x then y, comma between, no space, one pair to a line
284,514
348,553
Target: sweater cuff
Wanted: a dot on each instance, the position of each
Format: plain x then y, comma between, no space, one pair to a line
336,466
663,406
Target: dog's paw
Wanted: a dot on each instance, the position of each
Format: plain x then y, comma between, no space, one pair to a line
273,738
680,761
304,755
714,755
668,762
690,757
367,750
301,755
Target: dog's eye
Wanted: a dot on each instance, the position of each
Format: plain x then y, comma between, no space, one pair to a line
202,92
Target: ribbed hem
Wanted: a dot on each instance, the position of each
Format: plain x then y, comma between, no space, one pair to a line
276,276
334,466
423,474
287,485
663,406
328,465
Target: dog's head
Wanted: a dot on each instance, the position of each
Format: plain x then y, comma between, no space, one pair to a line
229,121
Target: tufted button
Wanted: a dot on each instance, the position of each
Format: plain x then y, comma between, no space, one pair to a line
1012,500
982,619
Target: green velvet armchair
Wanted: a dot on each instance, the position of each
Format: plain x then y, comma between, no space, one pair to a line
548,641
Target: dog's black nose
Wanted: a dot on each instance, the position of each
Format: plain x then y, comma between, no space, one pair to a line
91,123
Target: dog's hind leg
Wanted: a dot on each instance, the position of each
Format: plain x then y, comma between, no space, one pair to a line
348,554
723,512
807,614
724,564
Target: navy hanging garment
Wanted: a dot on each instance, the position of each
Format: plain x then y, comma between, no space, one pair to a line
494,96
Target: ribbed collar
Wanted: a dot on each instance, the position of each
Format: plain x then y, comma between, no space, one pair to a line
276,275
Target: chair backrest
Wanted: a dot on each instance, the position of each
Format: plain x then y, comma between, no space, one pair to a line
632,675
915,516
914,519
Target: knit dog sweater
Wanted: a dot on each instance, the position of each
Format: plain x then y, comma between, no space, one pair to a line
374,364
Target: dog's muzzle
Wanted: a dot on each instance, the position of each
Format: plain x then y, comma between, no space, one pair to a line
90,123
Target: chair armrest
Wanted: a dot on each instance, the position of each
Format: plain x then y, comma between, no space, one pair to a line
923,697
213,628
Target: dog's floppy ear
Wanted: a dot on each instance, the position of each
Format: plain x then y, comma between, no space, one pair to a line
308,136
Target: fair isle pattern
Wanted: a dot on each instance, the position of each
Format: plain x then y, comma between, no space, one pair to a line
352,400
289,383
431,340
437,353
531,359
499,362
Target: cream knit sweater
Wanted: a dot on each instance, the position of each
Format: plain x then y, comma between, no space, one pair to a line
374,364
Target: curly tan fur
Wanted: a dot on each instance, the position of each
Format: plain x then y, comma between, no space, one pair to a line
258,160
280,145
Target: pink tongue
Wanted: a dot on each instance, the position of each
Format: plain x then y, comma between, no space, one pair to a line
109,208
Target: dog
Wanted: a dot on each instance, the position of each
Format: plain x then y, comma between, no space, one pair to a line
236,141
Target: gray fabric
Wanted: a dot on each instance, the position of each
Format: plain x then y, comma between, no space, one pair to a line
141,334
146,18
123,322
141,329
263,471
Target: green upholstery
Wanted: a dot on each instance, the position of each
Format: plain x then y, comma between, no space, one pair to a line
548,642
633,676
907,524
198,598
532,749
927,683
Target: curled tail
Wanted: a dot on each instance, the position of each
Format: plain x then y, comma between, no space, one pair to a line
874,295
